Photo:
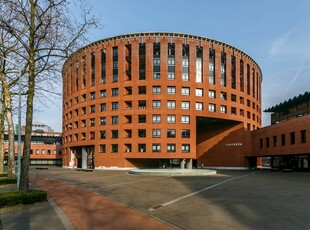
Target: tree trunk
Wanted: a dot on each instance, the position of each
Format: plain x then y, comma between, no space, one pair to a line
9,119
2,137
24,177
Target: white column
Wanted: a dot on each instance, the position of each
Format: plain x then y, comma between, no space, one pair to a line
84,158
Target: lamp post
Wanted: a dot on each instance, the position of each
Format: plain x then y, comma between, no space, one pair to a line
19,120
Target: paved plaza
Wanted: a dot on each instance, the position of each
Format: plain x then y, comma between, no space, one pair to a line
228,200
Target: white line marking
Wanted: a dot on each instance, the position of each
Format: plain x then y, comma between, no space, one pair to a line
195,193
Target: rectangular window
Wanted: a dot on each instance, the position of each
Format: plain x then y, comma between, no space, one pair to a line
142,133
141,118
92,122
211,66
102,134
223,69
156,104
185,119
103,66
223,108
185,105
156,118
171,119
156,133
103,121
211,94
185,133
92,108
260,143
185,77
102,148
199,92
171,76
185,91
211,107
103,107
171,133
114,120
171,90
114,105
114,91
142,90
303,136
292,137
156,89
114,148
170,104
103,93
114,133
282,139
199,64
92,96
199,106
156,147
274,138
185,148
93,68
170,147
267,142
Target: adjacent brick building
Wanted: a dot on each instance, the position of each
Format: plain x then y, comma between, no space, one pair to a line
154,99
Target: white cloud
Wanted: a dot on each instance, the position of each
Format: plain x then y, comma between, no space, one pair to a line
278,44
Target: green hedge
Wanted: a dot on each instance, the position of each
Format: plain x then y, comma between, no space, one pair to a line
7,181
3,174
13,198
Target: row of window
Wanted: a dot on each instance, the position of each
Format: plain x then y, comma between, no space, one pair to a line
283,140
142,133
185,148
43,152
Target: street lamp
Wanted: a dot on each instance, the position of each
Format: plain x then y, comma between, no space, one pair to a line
19,120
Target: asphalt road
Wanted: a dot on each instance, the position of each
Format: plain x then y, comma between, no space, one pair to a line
229,200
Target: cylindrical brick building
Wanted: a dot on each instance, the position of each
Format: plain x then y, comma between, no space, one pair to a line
155,99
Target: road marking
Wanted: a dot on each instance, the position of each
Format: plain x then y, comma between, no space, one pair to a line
195,193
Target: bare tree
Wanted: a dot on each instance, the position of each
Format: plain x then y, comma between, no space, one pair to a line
48,34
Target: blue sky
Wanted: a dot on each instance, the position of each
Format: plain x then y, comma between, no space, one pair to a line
275,33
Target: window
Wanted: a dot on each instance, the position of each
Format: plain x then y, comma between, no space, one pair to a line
102,148
292,137
171,76
92,122
156,118
156,104
114,105
185,77
103,93
171,90
142,104
282,139
171,119
185,148
114,133
156,89
102,134
37,151
156,147
170,147
223,96
142,133
156,133
156,61
142,90
103,120
185,91
185,133
303,136
185,120
114,120
115,92
211,94
103,107
142,147
92,96
92,108
260,143
185,105
156,76
267,142
223,108
199,106
54,152
83,123
212,107
42,151
171,61
114,148
274,141
171,133
199,92
171,104
141,118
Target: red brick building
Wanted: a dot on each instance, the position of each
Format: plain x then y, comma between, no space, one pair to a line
46,148
154,99
285,144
